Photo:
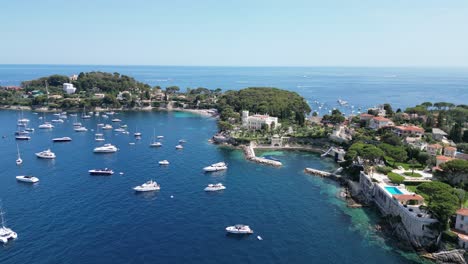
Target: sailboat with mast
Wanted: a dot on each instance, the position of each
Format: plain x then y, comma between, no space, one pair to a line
155,143
84,115
19,161
5,232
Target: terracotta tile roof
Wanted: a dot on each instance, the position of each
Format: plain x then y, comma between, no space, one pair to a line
408,197
410,128
366,115
437,146
443,158
379,118
451,148
463,211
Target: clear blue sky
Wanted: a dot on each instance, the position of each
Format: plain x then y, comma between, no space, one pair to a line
235,32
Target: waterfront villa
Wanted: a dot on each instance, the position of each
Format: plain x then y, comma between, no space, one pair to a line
461,227
255,122
365,117
378,122
450,152
397,201
434,149
408,130
68,88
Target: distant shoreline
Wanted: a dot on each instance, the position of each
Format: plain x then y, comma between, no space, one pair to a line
203,112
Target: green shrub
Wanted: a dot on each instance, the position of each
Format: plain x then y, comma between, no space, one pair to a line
449,236
384,169
395,178
414,174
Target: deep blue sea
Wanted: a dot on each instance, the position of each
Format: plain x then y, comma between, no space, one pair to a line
72,217
321,86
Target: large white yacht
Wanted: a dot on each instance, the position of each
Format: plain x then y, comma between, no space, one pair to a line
216,167
46,154
5,232
147,187
27,178
107,148
239,229
46,125
163,162
215,187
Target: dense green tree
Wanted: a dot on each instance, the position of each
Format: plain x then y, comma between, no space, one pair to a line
454,172
441,200
456,133
388,110
336,117
391,139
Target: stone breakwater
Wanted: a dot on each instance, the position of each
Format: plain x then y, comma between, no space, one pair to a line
250,155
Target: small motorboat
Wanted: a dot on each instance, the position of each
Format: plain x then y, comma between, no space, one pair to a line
62,139
160,137
104,172
27,178
107,127
215,187
77,124
46,126
116,120
137,134
57,121
46,154
147,187
80,129
119,130
163,162
179,147
156,144
216,167
239,229
182,141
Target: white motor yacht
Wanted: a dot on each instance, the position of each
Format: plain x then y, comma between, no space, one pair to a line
163,162
239,229
179,147
77,124
105,116
22,135
160,137
46,154
119,130
107,127
216,167
5,232
215,187
107,148
57,121
62,139
27,178
182,141
105,171
147,187
46,125
137,134
80,129
116,120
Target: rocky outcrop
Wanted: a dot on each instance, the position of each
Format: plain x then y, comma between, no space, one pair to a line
448,257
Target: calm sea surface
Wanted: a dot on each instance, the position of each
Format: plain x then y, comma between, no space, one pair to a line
72,217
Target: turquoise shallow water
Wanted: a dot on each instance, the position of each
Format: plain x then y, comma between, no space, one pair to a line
72,217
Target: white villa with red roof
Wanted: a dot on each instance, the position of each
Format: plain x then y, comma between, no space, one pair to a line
461,227
408,130
255,122
378,122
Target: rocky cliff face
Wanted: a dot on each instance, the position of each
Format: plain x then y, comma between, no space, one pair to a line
448,257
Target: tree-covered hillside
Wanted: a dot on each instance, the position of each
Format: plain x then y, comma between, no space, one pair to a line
286,105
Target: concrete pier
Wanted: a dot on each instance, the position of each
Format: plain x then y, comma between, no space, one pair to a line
250,155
